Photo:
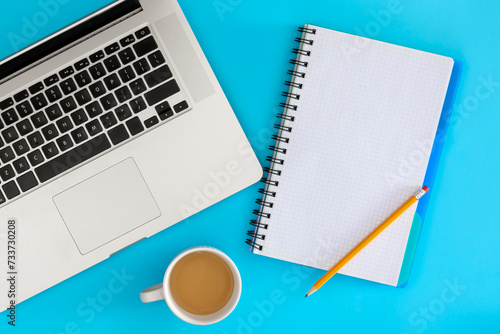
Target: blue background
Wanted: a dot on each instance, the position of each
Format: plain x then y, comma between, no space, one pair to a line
248,44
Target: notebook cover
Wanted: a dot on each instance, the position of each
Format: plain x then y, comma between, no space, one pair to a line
430,175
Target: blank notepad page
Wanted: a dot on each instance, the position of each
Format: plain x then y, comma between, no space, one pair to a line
359,148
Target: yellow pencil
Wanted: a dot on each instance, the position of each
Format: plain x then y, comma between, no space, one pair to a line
367,240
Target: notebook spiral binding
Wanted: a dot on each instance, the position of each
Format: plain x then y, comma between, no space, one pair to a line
277,158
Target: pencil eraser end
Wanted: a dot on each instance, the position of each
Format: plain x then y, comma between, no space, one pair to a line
425,188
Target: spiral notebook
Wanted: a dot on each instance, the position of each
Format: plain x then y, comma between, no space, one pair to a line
355,140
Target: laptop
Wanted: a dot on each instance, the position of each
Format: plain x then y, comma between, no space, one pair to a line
112,129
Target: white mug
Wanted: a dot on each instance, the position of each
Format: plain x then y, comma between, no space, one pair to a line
162,291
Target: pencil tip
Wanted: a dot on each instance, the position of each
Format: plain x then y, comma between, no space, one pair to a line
310,292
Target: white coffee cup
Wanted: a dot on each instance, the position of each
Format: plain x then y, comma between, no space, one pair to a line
162,291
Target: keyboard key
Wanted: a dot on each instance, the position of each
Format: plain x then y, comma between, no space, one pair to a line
66,72
83,97
112,81
108,120
138,105
11,190
53,112
64,143
21,95
24,127
138,86
123,94
96,56
35,139
24,109
141,66
7,173
158,76
180,107
97,71
68,86
68,104
10,116
151,121
39,101
66,161
51,80
53,94
21,147
142,32
97,89
112,48
163,107
6,154
7,103
123,112
50,132
10,134
79,117
2,198
50,150
82,64
118,134
156,58
126,56
39,119
64,124
1,127
126,74
108,102
145,46
135,126
21,165
27,181
127,40
164,110
112,63
167,114
162,92
94,109
83,79
35,158
36,88
79,135
93,127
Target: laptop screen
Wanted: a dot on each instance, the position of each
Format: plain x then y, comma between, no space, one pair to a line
24,23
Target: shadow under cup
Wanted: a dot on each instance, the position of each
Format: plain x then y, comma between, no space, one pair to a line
201,319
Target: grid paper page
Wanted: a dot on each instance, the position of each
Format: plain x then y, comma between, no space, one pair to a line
361,141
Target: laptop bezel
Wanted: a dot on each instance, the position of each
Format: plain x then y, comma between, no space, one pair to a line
61,40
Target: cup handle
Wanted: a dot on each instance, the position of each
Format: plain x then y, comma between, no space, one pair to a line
152,294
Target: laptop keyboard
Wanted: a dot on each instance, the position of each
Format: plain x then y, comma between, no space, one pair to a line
83,110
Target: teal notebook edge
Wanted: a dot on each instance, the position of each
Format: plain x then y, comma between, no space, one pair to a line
430,175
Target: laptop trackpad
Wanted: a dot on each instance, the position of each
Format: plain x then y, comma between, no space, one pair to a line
106,206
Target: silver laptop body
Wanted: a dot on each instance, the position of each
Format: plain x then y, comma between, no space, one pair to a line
110,138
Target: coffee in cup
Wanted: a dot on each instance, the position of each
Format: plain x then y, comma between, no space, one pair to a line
201,286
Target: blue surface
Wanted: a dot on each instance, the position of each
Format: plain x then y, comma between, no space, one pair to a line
248,46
